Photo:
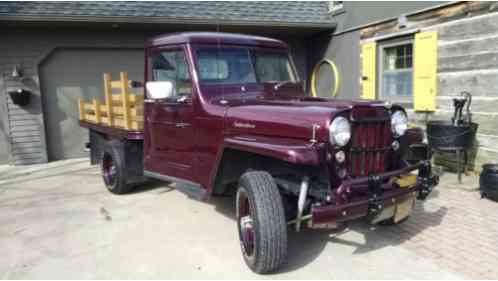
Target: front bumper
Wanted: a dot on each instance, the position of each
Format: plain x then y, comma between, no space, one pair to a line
368,196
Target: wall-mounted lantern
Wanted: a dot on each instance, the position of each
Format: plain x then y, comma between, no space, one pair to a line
402,21
20,97
16,72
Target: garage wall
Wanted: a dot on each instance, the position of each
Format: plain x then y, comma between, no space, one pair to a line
344,51
4,149
24,127
71,73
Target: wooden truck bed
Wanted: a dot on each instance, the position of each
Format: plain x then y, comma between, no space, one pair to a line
120,114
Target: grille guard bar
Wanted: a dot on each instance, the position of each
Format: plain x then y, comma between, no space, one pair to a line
345,209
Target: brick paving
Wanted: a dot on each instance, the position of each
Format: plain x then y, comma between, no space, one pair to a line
455,228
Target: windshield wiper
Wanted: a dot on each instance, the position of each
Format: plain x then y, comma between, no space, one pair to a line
280,84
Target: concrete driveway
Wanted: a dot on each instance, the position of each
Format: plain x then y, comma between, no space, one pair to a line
57,221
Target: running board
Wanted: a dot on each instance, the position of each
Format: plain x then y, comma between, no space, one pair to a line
191,189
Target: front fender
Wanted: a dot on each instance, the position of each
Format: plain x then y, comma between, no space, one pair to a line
296,151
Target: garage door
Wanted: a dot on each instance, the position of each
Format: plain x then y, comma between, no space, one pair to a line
69,74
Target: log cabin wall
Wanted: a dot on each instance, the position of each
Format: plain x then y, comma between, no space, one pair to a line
467,60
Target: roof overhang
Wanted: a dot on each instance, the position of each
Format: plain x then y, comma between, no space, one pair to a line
163,20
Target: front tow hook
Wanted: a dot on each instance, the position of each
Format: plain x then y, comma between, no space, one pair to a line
427,185
426,180
375,203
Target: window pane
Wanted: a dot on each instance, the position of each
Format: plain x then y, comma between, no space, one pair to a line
172,66
225,66
273,67
213,68
397,83
397,73
390,59
242,65
398,57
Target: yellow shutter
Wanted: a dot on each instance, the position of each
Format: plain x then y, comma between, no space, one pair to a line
425,71
368,53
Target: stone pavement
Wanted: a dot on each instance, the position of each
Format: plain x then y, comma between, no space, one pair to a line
456,228
58,221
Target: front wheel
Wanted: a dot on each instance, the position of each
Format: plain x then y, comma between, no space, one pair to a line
261,222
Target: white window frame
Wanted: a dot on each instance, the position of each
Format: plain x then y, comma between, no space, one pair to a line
408,101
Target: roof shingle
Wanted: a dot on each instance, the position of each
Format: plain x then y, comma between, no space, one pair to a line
281,13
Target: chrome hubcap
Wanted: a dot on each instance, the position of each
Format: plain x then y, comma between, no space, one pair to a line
109,170
246,225
247,231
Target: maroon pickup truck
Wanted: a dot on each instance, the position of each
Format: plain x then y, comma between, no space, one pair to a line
227,114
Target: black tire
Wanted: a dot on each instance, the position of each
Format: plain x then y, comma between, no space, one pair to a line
267,222
114,176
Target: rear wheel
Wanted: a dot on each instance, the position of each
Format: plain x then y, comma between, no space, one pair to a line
261,222
113,168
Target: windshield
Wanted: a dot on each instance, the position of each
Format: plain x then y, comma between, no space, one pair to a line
232,65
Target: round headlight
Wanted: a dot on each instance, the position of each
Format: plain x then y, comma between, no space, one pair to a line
399,123
340,131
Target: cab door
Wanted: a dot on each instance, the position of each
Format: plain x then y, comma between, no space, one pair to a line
169,141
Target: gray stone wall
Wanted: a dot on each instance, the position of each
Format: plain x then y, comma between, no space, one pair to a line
22,129
358,13
467,61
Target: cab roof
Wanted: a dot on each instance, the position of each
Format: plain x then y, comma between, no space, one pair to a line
214,38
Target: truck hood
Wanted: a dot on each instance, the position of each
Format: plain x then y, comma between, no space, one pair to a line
290,118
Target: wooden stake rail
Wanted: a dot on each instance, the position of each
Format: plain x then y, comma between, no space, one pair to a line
122,110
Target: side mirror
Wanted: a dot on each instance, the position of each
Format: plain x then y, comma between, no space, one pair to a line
159,89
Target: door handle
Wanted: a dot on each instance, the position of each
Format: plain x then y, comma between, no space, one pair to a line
182,125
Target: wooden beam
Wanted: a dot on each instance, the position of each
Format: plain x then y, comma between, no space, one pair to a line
103,109
124,99
132,99
118,110
88,107
442,14
96,105
108,98
134,125
91,118
116,84
81,108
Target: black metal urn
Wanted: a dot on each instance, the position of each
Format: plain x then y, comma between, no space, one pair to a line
457,134
488,181
445,135
20,97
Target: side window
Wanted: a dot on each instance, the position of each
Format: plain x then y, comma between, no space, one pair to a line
396,71
172,66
